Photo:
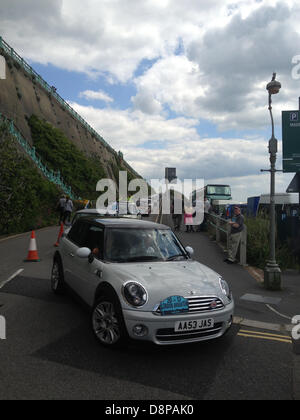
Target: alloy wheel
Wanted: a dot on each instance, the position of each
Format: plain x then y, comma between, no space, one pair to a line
105,323
55,276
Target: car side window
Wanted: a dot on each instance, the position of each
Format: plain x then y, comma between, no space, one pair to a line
94,240
77,233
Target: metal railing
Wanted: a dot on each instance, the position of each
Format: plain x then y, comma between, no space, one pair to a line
52,91
52,176
222,229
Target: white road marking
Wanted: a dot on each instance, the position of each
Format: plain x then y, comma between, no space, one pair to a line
261,325
11,277
12,237
278,313
23,235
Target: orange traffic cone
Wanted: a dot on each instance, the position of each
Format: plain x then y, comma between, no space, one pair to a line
61,231
32,254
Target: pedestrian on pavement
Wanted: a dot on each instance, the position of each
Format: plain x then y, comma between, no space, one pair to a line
207,210
237,227
61,208
198,208
68,210
188,219
176,216
207,206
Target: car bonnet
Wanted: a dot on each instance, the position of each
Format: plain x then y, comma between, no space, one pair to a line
165,279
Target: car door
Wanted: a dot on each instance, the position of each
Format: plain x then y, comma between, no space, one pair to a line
69,246
89,271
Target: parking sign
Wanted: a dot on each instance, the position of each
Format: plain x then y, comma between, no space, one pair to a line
294,116
291,141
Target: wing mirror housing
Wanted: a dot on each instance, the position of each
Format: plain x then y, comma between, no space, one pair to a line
190,250
83,253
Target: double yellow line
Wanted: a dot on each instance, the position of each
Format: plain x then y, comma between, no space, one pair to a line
265,336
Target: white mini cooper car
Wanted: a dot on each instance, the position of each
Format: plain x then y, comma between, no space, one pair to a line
141,283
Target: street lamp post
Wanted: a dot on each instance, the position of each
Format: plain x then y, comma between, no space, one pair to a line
272,272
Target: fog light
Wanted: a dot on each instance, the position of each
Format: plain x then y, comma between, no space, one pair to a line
140,330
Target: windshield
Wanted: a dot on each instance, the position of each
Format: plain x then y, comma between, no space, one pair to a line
128,245
218,190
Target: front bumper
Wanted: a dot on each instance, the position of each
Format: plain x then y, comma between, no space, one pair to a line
161,328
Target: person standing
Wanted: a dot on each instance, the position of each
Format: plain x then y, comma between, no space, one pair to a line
177,221
207,210
237,227
176,215
68,210
207,206
188,219
61,208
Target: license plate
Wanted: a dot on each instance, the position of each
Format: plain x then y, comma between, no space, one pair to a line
197,324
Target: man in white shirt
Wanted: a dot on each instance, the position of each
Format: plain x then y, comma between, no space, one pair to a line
61,208
68,210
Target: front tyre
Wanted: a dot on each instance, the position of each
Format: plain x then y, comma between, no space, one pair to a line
107,322
57,278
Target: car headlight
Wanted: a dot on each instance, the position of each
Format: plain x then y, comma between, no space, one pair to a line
135,294
225,288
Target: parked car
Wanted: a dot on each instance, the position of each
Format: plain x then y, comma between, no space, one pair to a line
141,283
129,210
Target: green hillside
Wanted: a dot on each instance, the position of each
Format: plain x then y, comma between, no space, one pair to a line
57,152
27,200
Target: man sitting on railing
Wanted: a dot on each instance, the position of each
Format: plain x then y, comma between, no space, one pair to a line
237,226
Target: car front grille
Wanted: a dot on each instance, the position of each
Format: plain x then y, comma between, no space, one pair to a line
199,304
165,335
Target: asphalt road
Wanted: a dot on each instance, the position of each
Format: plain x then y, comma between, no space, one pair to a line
50,352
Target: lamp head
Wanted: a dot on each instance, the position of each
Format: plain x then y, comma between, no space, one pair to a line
274,86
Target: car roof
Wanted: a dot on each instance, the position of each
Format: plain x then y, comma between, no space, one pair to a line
116,222
89,211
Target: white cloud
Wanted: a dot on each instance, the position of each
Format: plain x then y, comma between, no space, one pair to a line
171,81
209,60
223,74
123,129
111,36
176,143
96,96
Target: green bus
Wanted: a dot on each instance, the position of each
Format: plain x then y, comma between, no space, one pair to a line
214,192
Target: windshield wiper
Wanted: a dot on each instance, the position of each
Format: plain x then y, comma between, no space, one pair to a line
143,258
176,256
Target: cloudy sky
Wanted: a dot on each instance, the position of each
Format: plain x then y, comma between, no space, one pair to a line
171,83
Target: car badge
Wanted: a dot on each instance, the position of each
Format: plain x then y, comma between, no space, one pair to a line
192,292
213,304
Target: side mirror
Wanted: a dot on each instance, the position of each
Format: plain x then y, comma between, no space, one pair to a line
189,250
83,253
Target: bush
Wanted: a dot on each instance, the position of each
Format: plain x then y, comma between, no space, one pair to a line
258,245
27,200
59,153
257,241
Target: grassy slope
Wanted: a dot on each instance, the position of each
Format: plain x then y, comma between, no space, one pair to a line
27,199
59,153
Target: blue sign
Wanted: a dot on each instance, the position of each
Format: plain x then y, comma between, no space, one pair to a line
174,305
